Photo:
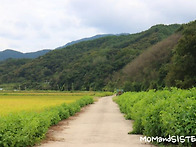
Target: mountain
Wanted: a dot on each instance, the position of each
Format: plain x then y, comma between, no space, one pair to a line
83,39
182,68
6,54
90,38
169,63
87,65
149,69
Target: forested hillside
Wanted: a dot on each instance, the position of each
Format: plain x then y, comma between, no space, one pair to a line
149,69
182,70
171,62
84,39
103,64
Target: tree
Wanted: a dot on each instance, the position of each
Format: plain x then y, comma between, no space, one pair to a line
183,68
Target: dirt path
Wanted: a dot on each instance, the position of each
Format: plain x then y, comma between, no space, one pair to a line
100,125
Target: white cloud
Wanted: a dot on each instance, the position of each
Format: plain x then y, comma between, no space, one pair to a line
30,25
133,15
37,24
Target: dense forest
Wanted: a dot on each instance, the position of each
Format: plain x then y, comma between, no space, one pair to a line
169,63
163,55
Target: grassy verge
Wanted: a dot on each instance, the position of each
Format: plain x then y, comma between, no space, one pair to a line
27,128
162,113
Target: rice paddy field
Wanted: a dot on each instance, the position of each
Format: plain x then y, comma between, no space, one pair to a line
25,116
11,102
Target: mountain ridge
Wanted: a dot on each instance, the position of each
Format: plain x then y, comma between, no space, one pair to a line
9,53
89,38
88,65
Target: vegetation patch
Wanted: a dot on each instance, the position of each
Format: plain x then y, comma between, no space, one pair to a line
29,127
161,113
86,66
34,101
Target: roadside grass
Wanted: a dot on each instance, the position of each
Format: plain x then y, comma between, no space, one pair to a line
162,113
25,116
28,127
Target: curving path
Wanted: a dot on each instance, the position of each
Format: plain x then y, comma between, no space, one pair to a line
99,125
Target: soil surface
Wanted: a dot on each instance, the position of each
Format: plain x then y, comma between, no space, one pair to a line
97,125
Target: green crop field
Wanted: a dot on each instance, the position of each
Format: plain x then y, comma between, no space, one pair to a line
161,113
16,102
26,116
11,102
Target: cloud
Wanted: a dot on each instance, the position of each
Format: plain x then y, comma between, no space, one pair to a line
36,24
179,11
132,16
111,16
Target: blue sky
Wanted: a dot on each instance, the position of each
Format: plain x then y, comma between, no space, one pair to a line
31,25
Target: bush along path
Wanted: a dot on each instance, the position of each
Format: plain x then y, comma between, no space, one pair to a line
27,128
167,114
99,125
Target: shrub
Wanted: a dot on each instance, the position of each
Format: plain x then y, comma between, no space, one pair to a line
161,113
27,128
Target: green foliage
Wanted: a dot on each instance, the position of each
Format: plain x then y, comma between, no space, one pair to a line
84,101
183,68
86,65
27,128
170,62
159,57
9,66
161,113
149,69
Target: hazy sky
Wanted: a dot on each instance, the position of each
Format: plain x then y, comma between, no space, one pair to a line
31,25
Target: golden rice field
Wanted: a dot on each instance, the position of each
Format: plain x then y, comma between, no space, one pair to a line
16,102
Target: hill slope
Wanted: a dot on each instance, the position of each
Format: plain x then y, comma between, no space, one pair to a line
87,65
171,62
90,38
149,69
6,54
84,39
182,68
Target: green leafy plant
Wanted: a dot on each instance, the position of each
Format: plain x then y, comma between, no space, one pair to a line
161,113
27,128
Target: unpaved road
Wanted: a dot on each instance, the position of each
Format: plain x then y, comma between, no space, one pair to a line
100,125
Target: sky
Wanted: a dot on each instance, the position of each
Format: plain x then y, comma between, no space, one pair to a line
32,25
